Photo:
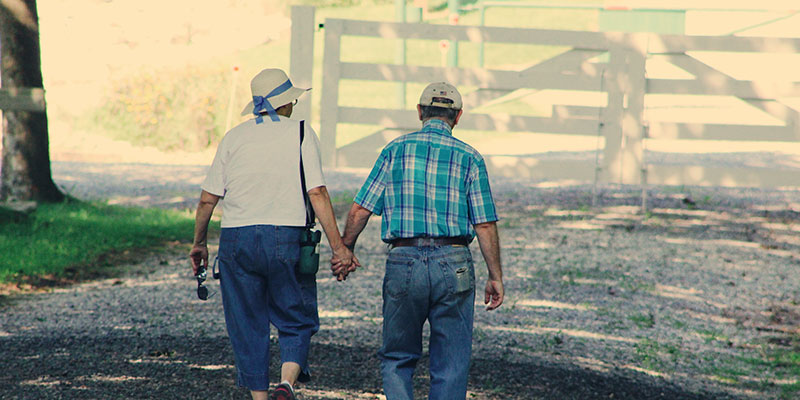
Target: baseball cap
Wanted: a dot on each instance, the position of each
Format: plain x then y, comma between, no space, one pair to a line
434,92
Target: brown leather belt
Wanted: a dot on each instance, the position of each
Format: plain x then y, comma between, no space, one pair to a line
430,241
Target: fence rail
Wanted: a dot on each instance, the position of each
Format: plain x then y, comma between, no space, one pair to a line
614,66
498,82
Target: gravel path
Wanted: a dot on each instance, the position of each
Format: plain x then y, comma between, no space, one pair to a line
695,300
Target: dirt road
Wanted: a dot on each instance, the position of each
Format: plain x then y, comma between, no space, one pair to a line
696,299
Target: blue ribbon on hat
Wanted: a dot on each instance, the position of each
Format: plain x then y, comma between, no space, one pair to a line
261,103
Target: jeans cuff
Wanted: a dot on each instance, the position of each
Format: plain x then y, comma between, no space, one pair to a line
254,381
299,356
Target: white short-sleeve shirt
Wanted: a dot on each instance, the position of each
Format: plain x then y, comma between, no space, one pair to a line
256,171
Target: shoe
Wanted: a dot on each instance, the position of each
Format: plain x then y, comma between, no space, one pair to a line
282,392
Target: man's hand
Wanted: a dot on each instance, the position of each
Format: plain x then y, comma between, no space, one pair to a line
356,221
489,241
343,263
494,293
199,256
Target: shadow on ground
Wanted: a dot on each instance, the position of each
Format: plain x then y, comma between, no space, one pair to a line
135,366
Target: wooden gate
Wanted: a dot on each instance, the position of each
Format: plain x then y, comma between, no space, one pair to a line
568,71
616,68
767,94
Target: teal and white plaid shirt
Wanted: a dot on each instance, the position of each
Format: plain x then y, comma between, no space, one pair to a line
428,183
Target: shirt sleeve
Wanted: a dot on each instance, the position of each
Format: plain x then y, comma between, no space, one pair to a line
479,195
371,194
312,160
215,177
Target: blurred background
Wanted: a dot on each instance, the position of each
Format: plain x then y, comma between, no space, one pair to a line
133,80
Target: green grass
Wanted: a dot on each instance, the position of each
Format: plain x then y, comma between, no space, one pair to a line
657,356
785,362
712,335
643,320
59,236
344,197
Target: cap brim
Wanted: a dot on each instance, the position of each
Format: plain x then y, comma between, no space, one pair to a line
279,100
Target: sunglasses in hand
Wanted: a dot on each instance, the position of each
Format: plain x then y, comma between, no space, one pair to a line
202,290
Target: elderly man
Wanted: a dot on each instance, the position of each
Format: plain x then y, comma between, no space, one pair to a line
433,191
256,173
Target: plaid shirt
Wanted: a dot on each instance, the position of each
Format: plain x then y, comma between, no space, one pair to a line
428,183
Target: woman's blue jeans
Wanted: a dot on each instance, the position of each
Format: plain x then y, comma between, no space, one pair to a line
436,284
260,286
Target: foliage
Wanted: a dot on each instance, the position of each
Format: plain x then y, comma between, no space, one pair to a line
169,109
62,235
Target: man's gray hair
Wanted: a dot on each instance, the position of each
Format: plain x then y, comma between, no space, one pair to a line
439,112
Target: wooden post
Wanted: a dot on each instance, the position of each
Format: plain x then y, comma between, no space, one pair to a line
482,48
621,122
632,152
301,63
329,108
633,126
400,56
611,116
454,10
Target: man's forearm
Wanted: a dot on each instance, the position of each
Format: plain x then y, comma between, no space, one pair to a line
357,219
321,201
489,241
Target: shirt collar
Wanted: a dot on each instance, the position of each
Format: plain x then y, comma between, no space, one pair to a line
438,126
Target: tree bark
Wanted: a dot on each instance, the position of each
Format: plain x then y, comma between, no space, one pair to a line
25,169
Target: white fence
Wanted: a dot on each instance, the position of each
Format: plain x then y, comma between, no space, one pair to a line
767,96
611,66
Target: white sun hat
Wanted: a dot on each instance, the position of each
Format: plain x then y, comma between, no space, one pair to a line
271,89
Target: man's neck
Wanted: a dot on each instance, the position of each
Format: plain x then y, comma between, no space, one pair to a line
450,124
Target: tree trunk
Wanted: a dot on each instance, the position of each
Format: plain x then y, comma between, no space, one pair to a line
25,166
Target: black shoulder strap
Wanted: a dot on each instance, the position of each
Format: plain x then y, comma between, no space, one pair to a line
310,217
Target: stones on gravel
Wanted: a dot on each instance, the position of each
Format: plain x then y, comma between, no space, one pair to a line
601,302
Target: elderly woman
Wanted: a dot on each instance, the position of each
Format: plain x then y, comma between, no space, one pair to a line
256,174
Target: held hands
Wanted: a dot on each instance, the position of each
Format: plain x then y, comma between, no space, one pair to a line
343,262
494,293
199,256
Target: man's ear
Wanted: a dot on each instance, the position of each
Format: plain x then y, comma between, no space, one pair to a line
419,111
458,116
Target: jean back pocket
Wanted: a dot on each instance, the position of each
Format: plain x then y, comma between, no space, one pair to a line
463,279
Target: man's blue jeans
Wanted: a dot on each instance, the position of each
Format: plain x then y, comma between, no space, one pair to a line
260,286
435,284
